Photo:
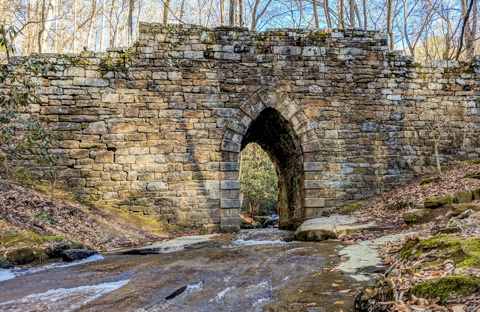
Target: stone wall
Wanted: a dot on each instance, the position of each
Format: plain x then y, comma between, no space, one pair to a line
156,129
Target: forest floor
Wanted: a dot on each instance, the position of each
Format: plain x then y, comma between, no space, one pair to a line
28,210
435,265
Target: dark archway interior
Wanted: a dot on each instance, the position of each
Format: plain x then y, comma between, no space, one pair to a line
276,136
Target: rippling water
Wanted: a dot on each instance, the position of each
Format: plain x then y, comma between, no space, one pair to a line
257,270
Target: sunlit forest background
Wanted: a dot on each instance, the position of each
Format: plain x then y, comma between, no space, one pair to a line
424,29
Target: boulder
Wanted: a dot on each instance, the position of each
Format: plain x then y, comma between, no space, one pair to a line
4,263
437,202
77,254
463,197
320,229
416,215
476,194
457,209
27,255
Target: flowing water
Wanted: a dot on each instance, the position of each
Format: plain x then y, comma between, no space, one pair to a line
256,270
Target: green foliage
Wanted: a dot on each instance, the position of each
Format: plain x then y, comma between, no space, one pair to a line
21,136
41,217
258,181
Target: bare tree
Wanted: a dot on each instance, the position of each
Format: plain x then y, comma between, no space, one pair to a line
389,24
166,7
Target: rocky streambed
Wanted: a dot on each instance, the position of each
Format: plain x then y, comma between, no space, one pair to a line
254,270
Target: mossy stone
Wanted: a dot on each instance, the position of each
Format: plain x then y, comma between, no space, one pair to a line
64,244
27,255
416,215
4,263
436,202
20,239
465,252
428,181
353,207
445,286
476,194
463,197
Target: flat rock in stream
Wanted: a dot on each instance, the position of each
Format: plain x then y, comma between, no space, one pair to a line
178,244
320,229
77,254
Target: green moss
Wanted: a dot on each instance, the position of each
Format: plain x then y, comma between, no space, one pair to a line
352,207
440,201
27,255
408,248
475,175
245,225
445,286
20,239
397,206
464,252
428,181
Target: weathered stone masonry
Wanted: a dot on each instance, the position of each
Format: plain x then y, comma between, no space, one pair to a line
156,129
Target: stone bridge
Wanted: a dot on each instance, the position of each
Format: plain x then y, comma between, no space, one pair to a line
157,129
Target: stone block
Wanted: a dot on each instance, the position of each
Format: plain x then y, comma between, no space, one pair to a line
104,157
230,203
99,127
230,185
416,215
463,197
436,202
122,127
157,186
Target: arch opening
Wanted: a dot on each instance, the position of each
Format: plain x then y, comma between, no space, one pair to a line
277,138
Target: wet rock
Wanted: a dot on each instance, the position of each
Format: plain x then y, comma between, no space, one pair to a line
416,215
178,244
4,263
437,202
320,229
27,255
61,244
463,197
77,254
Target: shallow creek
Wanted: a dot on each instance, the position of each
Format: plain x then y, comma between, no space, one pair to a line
255,270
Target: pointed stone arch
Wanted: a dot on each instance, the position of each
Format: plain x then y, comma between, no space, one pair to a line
297,196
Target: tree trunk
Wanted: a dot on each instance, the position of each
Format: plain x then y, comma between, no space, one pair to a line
389,24
74,25
41,27
364,14
103,26
166,7
464,28
240,12
130,22
341,14
352,13
92,20
315,13
231,16
327,13
222,5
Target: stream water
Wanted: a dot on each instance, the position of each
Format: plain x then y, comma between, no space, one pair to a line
255,270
